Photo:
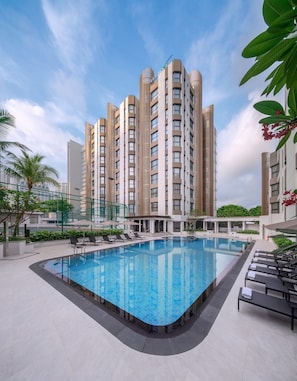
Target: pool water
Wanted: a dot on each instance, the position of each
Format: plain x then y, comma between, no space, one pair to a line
156,283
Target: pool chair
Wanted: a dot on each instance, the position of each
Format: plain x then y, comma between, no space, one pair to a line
278,251
269,270
106,238
120,238
76,244
283,263
270,283
92,239
127,236
268,302
136,235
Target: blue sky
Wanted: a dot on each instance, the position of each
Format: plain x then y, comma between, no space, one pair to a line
63,60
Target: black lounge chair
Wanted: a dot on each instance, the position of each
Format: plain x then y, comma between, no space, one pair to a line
270,283
271,303
76,244
92,239
268,270
136,235
127,236
120,238
106,238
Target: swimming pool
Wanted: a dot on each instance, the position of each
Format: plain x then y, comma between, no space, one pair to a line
157,285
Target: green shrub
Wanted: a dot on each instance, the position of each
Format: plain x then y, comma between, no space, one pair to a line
282,241
248,232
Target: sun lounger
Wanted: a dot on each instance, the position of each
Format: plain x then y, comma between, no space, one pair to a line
92,239
76,244
270,283
106,238
279,250
266,270
271,303
127,236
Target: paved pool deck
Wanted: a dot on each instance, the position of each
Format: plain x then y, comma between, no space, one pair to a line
44,336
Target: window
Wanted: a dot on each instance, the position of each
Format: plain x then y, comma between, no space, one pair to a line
131,208
275,170
154,123
102,159
102,180
102,170
191,193
154,207
117,164
191,166
191,152
176,205
176,189
131,196
176,125
154,136
131,146
102,190
102,150
176,141
131,121
176,76
117,131
191,138
131,171
117,153
176,109
131,109
166,99
131,134
154,192
191,124
275,208
118,142
131,184
117,119
275,190
176,173
154,178
191,179
154,94
176,93
191,110
176,157
102,128
191,96
154,150
102,139
131,159
154,164
154,108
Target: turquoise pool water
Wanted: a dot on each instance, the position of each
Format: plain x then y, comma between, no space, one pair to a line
153,282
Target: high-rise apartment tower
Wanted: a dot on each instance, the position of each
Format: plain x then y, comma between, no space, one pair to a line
155,154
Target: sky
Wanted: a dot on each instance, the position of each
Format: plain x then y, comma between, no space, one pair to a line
62,61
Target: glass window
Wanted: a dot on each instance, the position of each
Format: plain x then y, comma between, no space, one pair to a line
154,108
275,189
131,208
154,164
275,208
118,142
131,134
176,140
154,94
154,123
176,92
131,184
102,159
131,196
176,125
102,190
154,206
176,157
102,150
131,121
102,180
131,109
176,76
131,158
176,109
275,170
176,173
176,204
131,171
102,139
102,170
154,136
191,138
154,192
117,153
131,146
176,188
102,128
154,150
117,164
154,178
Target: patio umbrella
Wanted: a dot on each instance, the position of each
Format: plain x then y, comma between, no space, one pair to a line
110,223
81,223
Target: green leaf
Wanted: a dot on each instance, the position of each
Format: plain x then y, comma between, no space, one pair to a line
269,107
292,101
274,119
284,22
266,60
272,9
283,141
291,67
295,138
278,80
262,43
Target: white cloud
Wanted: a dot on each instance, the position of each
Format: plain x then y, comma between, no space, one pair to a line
40,130
75,38
239,148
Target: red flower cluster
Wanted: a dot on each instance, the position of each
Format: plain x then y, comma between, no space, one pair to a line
290,198
271,131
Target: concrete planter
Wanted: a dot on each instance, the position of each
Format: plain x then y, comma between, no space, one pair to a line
16,248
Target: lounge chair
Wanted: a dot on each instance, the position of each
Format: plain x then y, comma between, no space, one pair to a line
136,235
119,237
127,236
76,244
270,283
280,250
271,303
106,238
92,239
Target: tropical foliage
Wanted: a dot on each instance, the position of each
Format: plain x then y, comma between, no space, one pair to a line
276,47
238,211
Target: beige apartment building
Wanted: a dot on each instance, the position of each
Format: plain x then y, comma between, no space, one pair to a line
155,155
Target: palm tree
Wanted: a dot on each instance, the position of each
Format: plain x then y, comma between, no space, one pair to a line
6,121
33,172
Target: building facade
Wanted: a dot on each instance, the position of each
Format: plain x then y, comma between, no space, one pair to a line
156,155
